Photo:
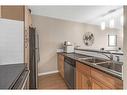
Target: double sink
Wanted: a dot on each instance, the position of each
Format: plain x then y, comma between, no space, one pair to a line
94,60
103,63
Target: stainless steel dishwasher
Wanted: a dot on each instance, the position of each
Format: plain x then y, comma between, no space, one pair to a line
69,72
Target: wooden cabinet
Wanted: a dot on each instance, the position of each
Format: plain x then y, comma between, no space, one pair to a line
91,78
13,12
106,79
97,85
82,76
61,64
83,81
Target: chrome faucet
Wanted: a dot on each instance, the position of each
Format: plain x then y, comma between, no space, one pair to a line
118,58
111,55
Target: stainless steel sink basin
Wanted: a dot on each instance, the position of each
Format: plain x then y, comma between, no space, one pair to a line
108,65
84,58
103,63
113,66
93,60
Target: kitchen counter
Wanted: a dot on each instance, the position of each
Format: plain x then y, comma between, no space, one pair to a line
116,72
9,75
101,51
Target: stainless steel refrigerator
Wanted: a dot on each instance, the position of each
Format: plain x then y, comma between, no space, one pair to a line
34,57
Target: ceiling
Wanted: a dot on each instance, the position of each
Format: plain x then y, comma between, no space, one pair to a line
84,14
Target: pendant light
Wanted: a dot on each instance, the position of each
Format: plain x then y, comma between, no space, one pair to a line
111,23
103,26
122,20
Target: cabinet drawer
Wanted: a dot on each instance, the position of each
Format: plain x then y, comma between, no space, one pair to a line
83,68
108,80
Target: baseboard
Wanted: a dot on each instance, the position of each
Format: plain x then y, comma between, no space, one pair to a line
46,73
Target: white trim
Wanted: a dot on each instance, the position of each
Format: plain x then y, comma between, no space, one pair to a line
46,73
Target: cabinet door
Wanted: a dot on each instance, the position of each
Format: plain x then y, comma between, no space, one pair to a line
78,80
98,85
61,65
13,12
86,82
58,63
106,79
82,81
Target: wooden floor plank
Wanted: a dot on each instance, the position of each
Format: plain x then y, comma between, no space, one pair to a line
52,81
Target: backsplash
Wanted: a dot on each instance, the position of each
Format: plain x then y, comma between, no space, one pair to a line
97,54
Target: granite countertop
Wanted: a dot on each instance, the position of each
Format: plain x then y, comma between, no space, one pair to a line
111,71
9,74
117,52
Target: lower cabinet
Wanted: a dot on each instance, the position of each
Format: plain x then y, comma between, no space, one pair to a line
82,81
61,64
108,81
90,78
97,85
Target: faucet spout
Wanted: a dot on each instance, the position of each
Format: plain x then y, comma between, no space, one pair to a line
111,55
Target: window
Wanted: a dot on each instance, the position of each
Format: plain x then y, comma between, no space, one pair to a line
112,40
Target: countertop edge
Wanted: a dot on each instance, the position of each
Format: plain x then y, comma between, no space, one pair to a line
98,51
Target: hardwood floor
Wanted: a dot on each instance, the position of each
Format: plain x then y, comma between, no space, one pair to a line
52,81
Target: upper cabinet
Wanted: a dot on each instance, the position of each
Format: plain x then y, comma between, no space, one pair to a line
12,12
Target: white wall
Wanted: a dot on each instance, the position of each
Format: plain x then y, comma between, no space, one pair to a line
53,32
101,37
101,55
